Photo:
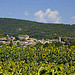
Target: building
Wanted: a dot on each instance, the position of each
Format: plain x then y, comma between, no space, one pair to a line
4,38
62,42
59,39
7,37
32,39
50,41
2,42
23,37
16,42
31,43
12,38
55,40
7,43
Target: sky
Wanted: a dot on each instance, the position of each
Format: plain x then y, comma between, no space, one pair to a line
46,11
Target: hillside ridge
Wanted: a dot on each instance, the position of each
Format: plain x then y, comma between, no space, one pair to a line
34,29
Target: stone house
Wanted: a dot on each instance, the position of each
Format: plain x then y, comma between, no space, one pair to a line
23,37
15,42
12,38
4,38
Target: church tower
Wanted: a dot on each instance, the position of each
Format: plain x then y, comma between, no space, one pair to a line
59,39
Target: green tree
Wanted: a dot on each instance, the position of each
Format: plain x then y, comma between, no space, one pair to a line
11,44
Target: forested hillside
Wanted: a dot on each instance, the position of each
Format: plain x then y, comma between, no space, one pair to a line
34,29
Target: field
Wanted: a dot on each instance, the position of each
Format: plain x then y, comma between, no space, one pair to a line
40,60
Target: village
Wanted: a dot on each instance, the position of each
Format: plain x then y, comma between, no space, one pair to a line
25,40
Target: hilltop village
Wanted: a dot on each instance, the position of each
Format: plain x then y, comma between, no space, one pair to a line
25,40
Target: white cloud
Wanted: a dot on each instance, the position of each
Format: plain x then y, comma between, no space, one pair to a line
73,19
48,16
26,13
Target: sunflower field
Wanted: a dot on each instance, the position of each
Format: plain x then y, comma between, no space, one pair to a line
41,60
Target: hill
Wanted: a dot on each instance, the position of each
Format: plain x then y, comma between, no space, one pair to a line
35,29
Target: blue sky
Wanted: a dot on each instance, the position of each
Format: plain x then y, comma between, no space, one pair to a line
47,11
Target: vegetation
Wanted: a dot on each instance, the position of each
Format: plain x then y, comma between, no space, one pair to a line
38,60
1,43
34,29
11,44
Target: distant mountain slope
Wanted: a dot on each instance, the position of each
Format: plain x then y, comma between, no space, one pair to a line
35,29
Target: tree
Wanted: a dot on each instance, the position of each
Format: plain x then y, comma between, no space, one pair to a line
4,35
46,45
16,38
18,44
1,43
11,44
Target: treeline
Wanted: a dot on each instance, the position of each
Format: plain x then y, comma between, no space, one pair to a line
34,29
